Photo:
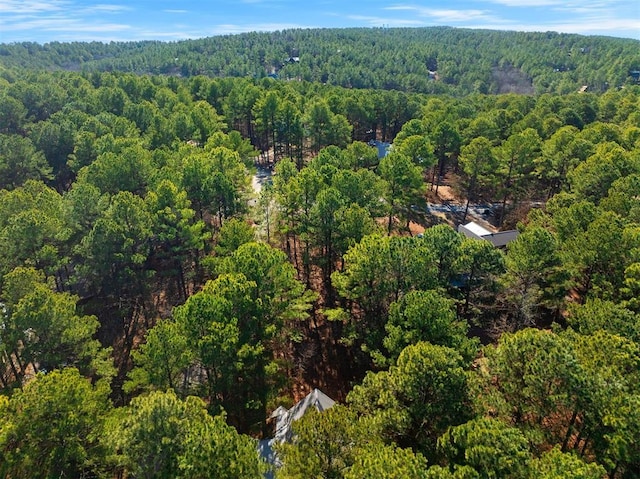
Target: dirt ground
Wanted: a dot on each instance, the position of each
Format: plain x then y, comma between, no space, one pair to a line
416,229
445,193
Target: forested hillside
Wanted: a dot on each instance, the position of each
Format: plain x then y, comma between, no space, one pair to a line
425,60
156,308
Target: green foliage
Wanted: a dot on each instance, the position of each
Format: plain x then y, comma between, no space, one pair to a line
208,325
116,248
479,165
595,260
592,179
534,278
408,59
612,389
82,205
558,390
43,330
178,237
124,167
621,197
517,156
378,271
203,350
53,427
362,155
488,446
445,242
328,205
205,120
20,161
30,225
54,137
556,464
387,462
220,343
403,184
631,288
600,315
214,181
447,142
425,316
233,234
353,223
417,148
234,142
326,444
325,128
214,449
12,114
161,436
536,376
323,231
162,360
560,154
280,296
420,396
479,263
463,472
125,240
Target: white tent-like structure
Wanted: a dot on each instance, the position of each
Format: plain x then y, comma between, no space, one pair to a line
284,419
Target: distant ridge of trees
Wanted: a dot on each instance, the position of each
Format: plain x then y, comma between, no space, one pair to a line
425,60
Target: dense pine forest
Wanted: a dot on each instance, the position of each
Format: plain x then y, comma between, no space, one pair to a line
437,60
194,233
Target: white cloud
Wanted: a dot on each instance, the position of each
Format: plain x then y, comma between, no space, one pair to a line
63,25
386,21
31,6
15,9
589,4
574,6
446,15
103,8
164,35
176,11
588,17
626,28
65,20
528,3
77,27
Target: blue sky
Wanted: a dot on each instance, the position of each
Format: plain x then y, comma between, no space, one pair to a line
83,20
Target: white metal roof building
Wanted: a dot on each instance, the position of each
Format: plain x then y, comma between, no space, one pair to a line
499,239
